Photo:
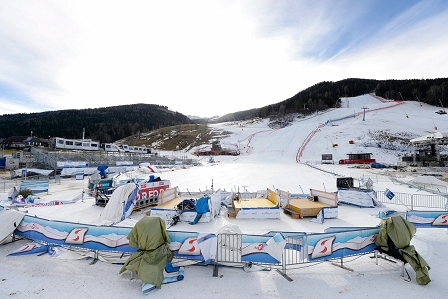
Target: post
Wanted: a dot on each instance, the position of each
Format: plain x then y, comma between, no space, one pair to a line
364,114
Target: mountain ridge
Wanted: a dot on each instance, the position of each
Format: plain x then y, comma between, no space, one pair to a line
109,124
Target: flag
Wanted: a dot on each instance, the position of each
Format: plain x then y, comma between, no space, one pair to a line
80,176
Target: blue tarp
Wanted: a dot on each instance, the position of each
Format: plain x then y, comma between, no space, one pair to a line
102,170
377,165
201,208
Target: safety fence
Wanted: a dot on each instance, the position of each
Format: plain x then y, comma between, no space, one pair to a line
297,248
282,251
412,201
376,178
231,252
306,141
6,185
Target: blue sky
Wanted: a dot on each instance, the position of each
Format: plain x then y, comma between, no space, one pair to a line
205,57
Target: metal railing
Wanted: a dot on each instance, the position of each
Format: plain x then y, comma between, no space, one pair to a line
230,252
412,201
5,186
229,249
50,158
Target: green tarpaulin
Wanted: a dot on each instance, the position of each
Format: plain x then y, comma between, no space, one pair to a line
150,237
400,232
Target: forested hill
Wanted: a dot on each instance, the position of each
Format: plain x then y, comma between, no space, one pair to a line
110,124
101,124
326,95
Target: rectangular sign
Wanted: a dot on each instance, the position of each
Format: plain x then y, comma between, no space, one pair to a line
389,194
327,157
124,163
69,164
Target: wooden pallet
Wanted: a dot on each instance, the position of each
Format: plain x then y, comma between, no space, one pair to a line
293,214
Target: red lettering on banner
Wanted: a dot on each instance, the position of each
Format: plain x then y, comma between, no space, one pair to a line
149,190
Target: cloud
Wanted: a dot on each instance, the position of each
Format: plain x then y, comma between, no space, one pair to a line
208,57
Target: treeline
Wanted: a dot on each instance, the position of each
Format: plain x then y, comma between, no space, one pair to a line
326,95
114,123
101,124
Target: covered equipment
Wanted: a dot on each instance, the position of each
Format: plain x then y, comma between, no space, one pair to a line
148,262
394,239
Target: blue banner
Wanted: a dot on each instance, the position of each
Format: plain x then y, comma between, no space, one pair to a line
436,219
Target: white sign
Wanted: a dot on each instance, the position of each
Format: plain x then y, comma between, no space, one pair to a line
70,164
124,163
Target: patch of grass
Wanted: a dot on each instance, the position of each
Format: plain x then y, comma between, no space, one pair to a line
8,151
179,137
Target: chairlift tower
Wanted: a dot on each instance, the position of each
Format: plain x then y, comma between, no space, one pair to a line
364,114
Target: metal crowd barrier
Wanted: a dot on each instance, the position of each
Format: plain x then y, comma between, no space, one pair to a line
414,200
230,247
6,185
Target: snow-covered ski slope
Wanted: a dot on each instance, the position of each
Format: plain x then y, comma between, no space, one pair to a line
308,138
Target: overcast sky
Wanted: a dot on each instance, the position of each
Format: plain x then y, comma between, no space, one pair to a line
208,57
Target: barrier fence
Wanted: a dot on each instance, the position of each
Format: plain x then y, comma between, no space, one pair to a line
278,250
300,248
230,253
6,185
414,200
